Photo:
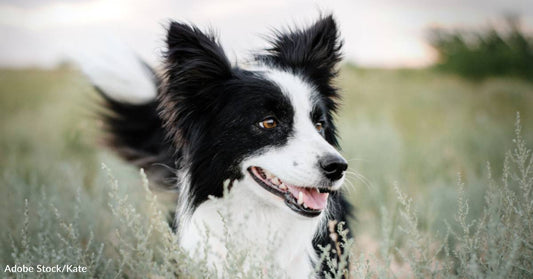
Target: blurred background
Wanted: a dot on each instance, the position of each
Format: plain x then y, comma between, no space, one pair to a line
431,90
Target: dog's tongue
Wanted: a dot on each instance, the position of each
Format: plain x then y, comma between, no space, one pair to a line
311,197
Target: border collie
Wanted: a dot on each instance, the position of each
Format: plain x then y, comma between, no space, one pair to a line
263,129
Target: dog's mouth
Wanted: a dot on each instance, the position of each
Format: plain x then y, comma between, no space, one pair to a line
307,201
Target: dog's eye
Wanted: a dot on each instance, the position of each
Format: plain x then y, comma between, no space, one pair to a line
268,123
319,126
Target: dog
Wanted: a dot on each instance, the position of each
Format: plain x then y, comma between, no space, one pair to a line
262,131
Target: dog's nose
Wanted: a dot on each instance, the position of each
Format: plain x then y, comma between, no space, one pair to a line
333,166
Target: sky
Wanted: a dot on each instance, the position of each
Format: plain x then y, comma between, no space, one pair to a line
376,33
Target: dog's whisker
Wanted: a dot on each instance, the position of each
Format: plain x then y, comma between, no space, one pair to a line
360,178
351,188
357,160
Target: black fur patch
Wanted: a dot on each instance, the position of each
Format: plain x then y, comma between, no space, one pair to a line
135,133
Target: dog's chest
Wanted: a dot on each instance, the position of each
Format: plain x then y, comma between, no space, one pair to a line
271,239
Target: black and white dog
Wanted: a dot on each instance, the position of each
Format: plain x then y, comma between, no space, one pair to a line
265,130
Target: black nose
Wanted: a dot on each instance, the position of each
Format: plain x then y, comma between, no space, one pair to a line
333,166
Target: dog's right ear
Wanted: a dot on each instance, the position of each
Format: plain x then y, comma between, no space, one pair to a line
192,54
195,65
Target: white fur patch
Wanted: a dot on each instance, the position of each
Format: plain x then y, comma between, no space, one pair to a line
297,162
119,73
274,234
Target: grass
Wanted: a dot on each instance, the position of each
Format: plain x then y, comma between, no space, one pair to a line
408,135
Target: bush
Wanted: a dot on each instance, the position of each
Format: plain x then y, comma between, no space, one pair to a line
479,54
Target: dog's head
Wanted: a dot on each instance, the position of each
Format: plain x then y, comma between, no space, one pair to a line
270,124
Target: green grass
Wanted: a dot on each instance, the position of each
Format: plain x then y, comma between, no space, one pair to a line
416,129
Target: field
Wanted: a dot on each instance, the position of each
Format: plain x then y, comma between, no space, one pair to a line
417,131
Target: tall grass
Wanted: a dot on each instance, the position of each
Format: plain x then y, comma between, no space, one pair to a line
417,128
497,244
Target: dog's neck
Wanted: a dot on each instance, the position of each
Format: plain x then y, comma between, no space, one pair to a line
257,222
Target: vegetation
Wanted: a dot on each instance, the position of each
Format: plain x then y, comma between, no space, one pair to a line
489,52
427,206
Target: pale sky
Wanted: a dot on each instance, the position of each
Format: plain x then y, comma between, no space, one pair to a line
378,33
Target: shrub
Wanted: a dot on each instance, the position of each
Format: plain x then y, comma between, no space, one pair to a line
479,54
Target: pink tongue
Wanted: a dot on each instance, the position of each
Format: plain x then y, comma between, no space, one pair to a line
312,198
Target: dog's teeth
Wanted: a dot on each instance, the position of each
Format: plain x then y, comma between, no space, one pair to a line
275,181
283,186
300,198
268,174
305,205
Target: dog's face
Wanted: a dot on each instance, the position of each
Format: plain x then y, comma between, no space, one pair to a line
270,123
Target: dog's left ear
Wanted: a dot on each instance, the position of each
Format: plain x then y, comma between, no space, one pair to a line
314,51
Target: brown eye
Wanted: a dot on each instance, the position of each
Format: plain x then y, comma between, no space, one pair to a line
319,126
268,123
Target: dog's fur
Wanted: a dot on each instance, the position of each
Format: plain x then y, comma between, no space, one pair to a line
200,126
